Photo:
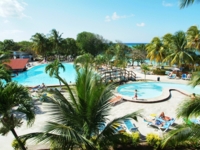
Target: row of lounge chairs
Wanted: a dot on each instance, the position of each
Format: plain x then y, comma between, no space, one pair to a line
183,76
186,77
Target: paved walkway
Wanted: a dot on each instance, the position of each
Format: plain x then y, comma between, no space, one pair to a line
169,107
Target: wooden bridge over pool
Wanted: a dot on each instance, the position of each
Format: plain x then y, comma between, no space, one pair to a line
116,75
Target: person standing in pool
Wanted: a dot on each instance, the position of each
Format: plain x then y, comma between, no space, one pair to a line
135,95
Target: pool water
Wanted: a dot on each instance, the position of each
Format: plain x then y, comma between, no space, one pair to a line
147,90
37,76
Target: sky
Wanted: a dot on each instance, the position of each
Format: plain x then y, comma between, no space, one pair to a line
127,21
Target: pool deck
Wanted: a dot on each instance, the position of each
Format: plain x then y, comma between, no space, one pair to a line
168,107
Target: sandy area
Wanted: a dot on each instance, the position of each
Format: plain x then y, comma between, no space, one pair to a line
169,107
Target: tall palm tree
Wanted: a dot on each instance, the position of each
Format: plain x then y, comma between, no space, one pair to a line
14,100
53,68
83,60
155,50
186,3
122,52
40,44
99,60
56,40
82,118
193,37
167,41
180,54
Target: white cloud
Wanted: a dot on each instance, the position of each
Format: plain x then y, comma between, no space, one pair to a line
167,4
11,8
5,21
114,16
140,24
107,19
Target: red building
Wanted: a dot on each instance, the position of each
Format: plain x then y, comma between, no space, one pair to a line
17,64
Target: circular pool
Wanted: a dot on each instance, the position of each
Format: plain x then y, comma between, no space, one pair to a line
147,90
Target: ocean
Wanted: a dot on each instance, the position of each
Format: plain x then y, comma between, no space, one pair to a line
134,44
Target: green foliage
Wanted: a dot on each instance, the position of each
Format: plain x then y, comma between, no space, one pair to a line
91,43
16,145
153,140
159,71
127,139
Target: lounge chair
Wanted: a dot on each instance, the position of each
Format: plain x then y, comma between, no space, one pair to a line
184,76
173,76
161,124
121,128
189,76
116,100
130,125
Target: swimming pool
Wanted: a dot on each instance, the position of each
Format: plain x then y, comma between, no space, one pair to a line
146,90
37,76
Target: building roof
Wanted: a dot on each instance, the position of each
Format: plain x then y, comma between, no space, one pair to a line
16,64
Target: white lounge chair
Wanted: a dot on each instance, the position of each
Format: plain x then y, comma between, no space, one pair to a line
173,76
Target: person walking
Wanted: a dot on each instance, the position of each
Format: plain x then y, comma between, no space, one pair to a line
135,95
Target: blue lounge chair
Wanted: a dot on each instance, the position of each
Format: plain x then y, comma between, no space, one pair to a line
130,126
159,121
184,76
102,127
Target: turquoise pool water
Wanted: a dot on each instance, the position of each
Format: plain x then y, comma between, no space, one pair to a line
152,89
37,75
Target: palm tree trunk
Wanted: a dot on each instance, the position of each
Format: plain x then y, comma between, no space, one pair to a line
60,83
18,140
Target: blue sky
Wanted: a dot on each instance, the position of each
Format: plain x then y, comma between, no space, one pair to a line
126,21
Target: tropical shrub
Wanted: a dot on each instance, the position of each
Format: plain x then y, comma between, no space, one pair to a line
126,139
159,71
153,140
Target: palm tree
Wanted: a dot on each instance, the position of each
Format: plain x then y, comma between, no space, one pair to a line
180,54
40,44
81,119
145,68
83,60
195,79
99,60
5,70
53,68
56,40
193,37
167,41
155,50
121,54
5,73
15,104
186,3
